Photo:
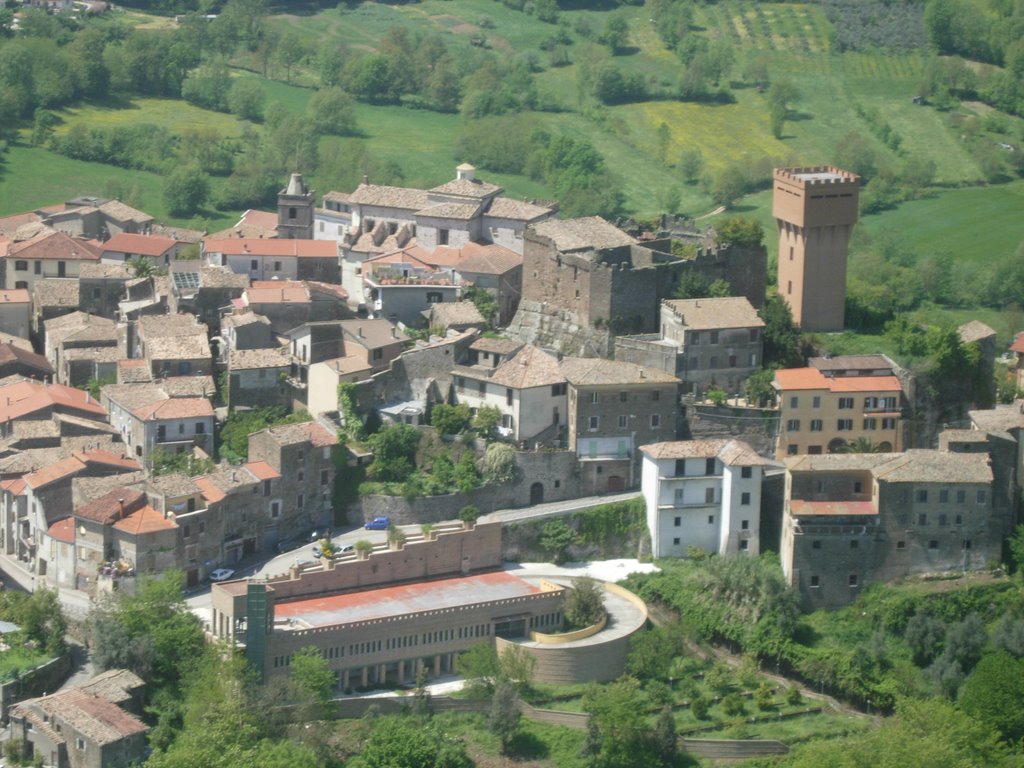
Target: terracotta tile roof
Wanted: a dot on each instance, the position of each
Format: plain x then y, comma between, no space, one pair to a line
496,346
54,245
837,462
221,277
84,488
1018,343
490,259
804,508
315,249
457,211
590,233
347,365
402,256
14,487
791,379
143,245
54,473
372,334
143,521
98,720
529,367
210,492
276,292
389,197
730,312
923,465
252,224
516,210
164,326
189,386
115,209
15,296
262,470
57,292
732,452
94,354
595,372
107,458
105,271
1002,418
255,359
28,396
114,685
193,347
455,313
108,508
133,372
172,485
63,530
467,188
861,363
10,224
176,408
12,354
310,431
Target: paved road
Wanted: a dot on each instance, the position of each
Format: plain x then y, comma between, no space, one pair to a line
555,508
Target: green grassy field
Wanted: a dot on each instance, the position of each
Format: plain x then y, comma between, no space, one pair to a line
174,114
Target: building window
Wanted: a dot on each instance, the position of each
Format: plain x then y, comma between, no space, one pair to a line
845,403
922,519
794,402
814,450
38,267
943,497
622,397
677,522
593,398
275,509
713,362
745,525
594,422
854,544
714,337
816,544
981,497
434,297
181,429
922,495
966,544
844,425
709,495
857,487
200,428
709,466
745,498
557,390
933,544
623,422
21,266
21,284
744,545
300,501
958,520
254,265
680,467
655,420
292,213
711,519
961,497
815,582
675,542
816,425
442,237
793,425
870,424
752,362
901,545
656,394
266,487
753,334
853,580
791,449
80,744
323,477
746,473
816,401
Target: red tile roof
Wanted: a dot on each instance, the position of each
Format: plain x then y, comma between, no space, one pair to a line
10,353
176,408
262,470
27,396
54,472
210,491
15,296
55,245
63,530
144,245
802,508
145,520
108,508
1018,343
14,487
790,379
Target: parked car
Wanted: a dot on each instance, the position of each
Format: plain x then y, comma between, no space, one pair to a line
317,552
378,524
221,574
346,548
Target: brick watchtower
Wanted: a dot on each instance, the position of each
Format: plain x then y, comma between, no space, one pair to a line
815,209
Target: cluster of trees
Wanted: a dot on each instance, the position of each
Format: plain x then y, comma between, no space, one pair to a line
706,62
864,25
39,617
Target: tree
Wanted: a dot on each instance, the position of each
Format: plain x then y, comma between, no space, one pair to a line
758,389
141,266
993,694
860,445
396,536
690,164
584,604
666,743
333,112
185,191
499,463
289,52
616,33
245,99
739,230
516,665
701,707
394,452
479,665
555,538
1016,543
505,714
486,421
450,419
782,339
312,682
619,719
728,186
408,742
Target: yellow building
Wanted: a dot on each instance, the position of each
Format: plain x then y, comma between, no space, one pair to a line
820,413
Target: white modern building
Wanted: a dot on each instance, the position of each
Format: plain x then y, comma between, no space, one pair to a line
702,493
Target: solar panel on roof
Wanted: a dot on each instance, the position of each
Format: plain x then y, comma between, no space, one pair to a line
185,280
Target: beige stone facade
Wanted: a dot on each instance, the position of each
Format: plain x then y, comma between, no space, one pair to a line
815,210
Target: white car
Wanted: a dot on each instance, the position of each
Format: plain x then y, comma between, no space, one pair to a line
221,574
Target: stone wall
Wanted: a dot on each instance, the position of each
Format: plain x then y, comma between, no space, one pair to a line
520,542
36,682
557,472
756,426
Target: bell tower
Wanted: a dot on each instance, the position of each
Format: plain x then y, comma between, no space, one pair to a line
295,210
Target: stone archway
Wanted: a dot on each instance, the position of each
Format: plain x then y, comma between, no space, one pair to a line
537,493
836,445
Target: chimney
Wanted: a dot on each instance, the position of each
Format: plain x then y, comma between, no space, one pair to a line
120,509
361,336
394,332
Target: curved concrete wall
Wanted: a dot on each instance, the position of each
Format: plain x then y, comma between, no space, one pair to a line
588,660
